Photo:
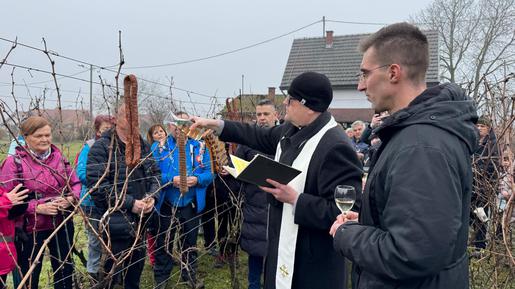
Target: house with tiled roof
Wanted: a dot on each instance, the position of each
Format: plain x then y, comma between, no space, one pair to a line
338,57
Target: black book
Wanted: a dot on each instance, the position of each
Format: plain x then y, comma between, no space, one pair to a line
259,169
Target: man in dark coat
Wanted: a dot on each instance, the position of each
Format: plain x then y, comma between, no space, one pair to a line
485,164
300,253
255,207
121,225
413,224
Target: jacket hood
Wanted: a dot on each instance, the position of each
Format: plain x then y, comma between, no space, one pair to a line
109,134
445,106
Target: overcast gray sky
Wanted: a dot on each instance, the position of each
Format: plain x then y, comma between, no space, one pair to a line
166,32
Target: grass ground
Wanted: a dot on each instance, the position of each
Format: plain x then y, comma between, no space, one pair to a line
214,278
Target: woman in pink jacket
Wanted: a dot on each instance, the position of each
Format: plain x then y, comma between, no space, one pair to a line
53,190
7,249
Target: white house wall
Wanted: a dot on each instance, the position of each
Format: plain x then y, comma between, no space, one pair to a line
348,98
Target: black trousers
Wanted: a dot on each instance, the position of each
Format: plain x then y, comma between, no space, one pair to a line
228,243
208,218
219,206
186,222
60,256
129,272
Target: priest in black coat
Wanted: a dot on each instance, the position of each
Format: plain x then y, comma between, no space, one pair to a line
300,252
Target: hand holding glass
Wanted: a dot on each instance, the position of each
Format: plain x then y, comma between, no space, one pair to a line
344,196
184,126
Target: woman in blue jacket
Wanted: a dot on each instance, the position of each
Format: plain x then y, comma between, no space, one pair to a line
183,208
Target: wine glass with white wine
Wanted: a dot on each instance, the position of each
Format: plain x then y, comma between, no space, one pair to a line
344,196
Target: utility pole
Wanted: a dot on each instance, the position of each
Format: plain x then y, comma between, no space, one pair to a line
91,92
323,26
241,95
242,82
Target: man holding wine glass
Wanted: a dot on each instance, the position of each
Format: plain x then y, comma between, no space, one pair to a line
413,222
300,253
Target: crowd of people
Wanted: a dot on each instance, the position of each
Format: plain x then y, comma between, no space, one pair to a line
429,163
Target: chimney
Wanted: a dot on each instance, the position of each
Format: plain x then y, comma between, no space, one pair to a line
329,39
271,93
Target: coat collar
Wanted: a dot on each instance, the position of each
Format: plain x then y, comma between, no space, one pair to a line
297,137
24,152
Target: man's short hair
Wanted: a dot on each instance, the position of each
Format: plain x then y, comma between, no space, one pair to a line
400,43
485,120
265,101
357,123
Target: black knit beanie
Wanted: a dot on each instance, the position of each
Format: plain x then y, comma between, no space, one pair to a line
313,90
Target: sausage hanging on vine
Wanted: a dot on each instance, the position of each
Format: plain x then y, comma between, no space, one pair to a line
133,146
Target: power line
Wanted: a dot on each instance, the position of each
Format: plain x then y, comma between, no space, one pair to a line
28,98
80,101
79,92
49,72
46,81
227,52
53,53
358,23
98,83
415,23
106,68
41,87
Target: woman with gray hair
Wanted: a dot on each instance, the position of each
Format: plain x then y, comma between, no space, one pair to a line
45,172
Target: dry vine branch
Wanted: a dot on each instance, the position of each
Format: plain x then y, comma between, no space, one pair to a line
57,89
13,46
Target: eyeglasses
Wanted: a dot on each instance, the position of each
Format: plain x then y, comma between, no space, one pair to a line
363,74
263,113
289,99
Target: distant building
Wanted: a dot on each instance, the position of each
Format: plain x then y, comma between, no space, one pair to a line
246,105
67,124
338,57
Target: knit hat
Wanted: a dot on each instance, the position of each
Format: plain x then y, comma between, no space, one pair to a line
484,120
313,90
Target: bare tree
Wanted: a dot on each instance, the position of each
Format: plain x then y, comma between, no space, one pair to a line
477,40
155,103
105,101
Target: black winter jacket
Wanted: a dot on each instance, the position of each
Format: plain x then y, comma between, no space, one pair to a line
142,182
255,212
414,220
